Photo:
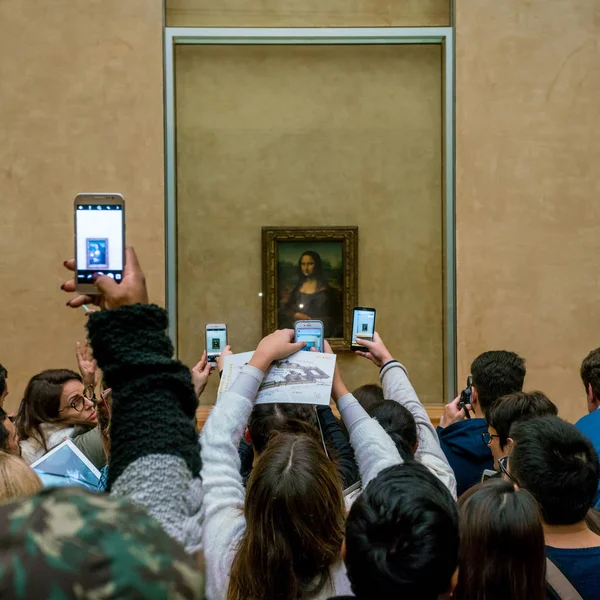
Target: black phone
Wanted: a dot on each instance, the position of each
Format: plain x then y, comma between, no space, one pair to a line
363,327
466,396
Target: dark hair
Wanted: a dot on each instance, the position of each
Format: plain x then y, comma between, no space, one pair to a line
402,536
590,372
558,465
41,403
495,374
318,272
515,407
368,395
592,520
3,378
294,523
4,435
266,419
399,424
502,549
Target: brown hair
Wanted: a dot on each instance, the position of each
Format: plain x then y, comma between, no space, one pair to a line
104,411
41,403
17,479
294,523
502,551
369,395
267,419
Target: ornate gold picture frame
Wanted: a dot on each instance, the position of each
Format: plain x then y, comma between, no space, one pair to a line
310,272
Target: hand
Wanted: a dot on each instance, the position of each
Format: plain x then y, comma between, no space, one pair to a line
276,346
112,295
200,375
376,352
221,358
338,388
87,365
452,413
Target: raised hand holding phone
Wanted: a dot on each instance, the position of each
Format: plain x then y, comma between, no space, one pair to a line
279,344
111,295
376,351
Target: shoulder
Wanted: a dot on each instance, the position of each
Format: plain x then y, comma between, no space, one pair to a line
590,424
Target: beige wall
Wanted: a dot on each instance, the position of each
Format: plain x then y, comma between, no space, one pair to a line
80,110
312,136
528,181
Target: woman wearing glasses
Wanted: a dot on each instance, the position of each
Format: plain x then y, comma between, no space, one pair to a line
56,407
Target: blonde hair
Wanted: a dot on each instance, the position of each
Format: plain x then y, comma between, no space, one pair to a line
17,479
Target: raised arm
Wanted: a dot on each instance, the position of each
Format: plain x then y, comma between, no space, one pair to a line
397,387
155,457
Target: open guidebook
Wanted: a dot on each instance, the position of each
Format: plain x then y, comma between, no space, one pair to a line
304,378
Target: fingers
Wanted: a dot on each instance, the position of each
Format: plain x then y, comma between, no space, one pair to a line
70,264
132,264
313,349
327,347
297,346
376,337
289,333
80,301
69,286
367,343
106,285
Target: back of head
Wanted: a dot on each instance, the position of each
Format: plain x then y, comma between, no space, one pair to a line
399,424
82,543
267,419
590,372
402,536
294,523
502,551
516,407
41,402
495,374
558,465
3,378
369,395
17,479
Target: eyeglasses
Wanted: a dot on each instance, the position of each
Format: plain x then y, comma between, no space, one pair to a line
488,437
503,463
77,403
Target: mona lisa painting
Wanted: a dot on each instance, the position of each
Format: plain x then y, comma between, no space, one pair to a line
310,273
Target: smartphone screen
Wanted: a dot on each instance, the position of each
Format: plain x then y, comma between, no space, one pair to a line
363,325
216,340
99,242
312,335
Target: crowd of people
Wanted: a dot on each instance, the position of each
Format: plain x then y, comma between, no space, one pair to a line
287,501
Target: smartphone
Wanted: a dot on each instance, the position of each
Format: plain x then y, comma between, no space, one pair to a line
311,332
465,396
99,238
216,340
363,327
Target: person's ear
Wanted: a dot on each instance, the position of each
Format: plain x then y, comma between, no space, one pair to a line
247,436
593,401
508,446
474,396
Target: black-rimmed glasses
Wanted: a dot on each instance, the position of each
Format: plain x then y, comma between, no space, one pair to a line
77,403
488,437
503,464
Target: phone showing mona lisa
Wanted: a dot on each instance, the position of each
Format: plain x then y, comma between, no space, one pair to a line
311,332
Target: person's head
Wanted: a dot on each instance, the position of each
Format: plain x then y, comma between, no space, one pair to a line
90,545
502,551
266,419
310,266
17,479
399,424
368,395
3,384
294,522
9,440
590,375
495,374
53,396
402,536
558,465
509,409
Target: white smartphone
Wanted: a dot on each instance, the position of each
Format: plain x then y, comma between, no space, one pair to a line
99,238
311,332
363,327
216,340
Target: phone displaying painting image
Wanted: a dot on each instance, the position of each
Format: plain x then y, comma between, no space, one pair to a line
363,327
216,340
310,332
99,238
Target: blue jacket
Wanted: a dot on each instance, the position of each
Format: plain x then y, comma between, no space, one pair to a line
466,452
590,427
